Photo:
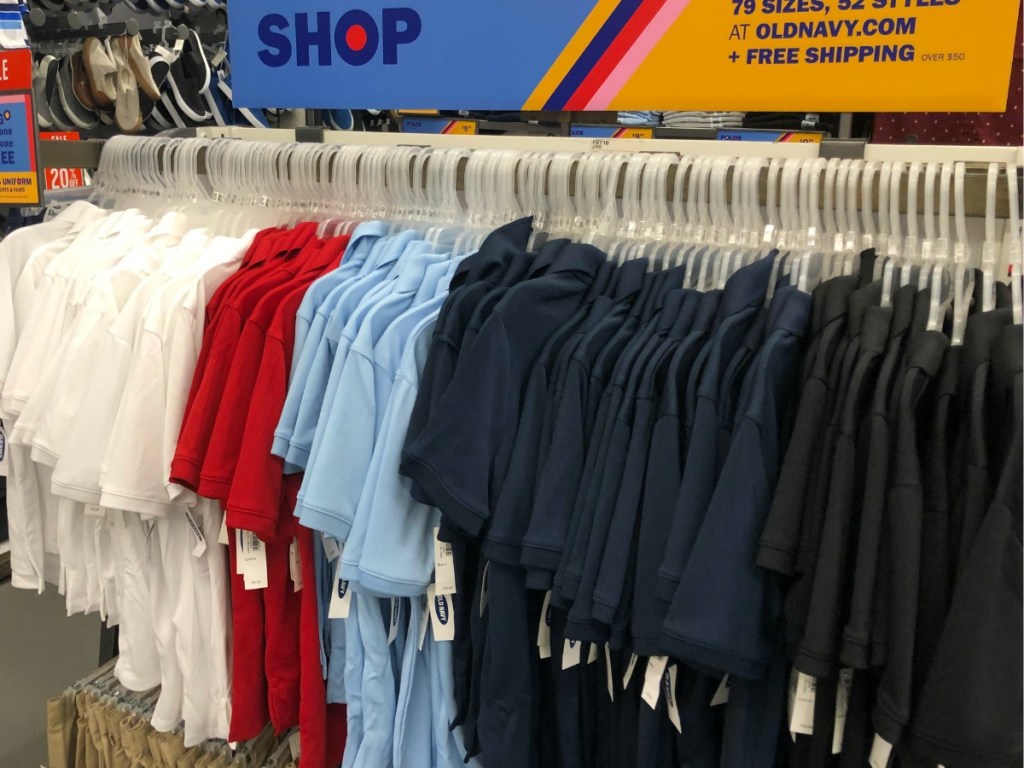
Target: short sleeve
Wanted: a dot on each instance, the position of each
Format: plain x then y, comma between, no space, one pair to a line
451,460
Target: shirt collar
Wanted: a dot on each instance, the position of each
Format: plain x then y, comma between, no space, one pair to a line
581,258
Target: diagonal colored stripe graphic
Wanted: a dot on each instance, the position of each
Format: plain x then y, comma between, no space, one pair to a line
573,50
592,53
637,54
619,47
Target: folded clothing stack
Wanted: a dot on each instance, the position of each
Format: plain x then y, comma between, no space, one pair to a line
703,119
639,118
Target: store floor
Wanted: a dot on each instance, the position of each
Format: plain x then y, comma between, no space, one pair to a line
42,651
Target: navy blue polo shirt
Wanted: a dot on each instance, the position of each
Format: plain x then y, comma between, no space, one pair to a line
486,268
742,300
559,476
724,604
471,430
614,584
512,511
664,475
613,478
597,487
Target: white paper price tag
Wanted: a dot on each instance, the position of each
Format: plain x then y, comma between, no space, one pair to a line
544,628
295,565
881,751
197,534
424,621
722,694
444,566
396,615
341,596
483,586
608,674
669,686
222,537
331,548
629,671
571,653
801,703
652,680
253,559
592,653
842,706
442,618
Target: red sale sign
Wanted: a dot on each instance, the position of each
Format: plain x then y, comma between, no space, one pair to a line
63,178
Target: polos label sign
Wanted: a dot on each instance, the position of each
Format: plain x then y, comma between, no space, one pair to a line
825,55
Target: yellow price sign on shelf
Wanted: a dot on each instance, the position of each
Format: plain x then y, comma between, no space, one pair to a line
439,125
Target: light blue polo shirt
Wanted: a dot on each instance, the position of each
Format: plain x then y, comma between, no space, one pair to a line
335,474
337,310
310,323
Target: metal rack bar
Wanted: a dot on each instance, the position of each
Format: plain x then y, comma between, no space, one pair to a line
86,154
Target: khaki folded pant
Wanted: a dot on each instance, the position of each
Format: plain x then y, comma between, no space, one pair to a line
61,730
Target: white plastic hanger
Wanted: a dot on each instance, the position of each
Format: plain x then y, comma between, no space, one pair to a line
991,247
963,283
1015,255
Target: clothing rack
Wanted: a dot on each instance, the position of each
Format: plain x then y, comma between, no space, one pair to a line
86,154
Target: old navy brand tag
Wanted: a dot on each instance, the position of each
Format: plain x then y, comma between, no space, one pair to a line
197,534
295,565
652,680
396,614
608,674
442,619
94,510
629,671
341,596
881,751
444,567
331,548
802,689
571,653
222,537
483,587
424,620
254,561
669,690
722,694
592,653
842,706
544,628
